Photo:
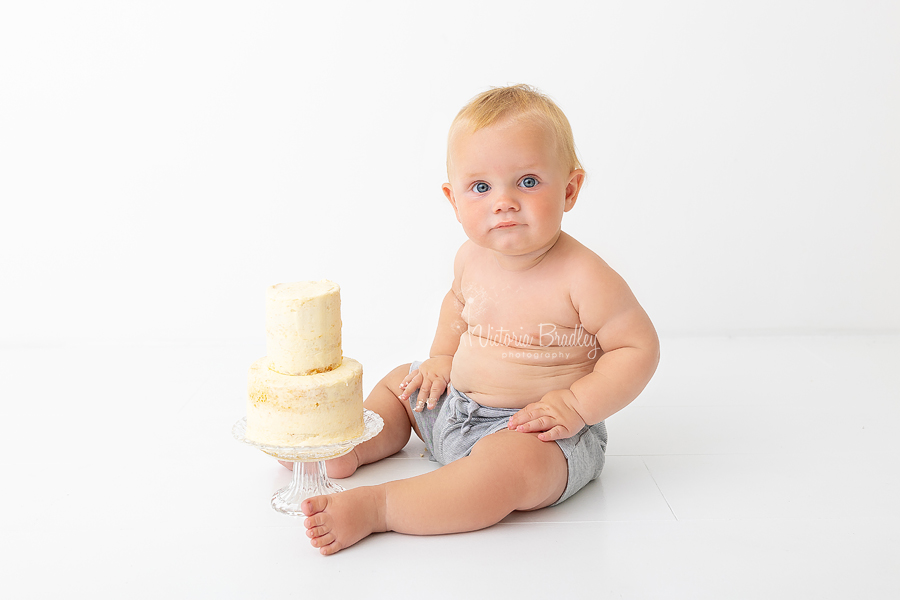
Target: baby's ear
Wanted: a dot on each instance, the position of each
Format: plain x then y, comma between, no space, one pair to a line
448,191
576,180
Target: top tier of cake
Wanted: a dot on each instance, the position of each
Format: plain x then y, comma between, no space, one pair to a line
303,327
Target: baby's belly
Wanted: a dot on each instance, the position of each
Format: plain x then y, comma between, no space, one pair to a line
513,377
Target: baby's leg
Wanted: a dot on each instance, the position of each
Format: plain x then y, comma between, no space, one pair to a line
506,471
397,418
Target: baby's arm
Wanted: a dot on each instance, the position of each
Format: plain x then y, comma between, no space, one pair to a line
433,375
608,309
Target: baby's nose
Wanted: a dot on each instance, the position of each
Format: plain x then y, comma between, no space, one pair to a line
505,201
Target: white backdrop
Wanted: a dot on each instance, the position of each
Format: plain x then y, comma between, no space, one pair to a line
162,162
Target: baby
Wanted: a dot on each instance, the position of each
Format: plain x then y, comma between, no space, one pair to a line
538,341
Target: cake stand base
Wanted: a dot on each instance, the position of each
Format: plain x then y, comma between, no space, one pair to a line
309,479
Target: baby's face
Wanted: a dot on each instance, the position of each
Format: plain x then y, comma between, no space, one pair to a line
509,186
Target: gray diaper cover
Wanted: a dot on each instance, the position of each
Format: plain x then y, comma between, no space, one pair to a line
451,429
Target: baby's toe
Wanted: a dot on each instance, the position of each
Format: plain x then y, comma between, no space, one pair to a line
317,520
330,549
323,540
315,532
312,506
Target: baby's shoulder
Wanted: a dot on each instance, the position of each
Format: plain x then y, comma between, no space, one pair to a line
466,250
591,281
467,255
576,259
464,255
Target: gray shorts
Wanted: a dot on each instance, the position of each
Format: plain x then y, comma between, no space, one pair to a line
457,422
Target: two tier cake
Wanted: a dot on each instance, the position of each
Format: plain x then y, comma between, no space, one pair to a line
304,392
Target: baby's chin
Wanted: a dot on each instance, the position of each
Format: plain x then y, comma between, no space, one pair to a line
521,252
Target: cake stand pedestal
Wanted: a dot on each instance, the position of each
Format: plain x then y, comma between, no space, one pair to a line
309,478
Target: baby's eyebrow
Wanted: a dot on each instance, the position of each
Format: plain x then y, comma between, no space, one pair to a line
475,175
528,169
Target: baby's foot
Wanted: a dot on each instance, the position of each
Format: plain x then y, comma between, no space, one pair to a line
339,468
338,521
342,466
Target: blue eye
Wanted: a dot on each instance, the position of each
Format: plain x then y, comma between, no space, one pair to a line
481,187
529,182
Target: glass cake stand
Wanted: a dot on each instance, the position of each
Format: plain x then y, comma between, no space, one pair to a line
309,478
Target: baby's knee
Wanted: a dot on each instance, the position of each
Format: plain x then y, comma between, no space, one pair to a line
393,379
536,472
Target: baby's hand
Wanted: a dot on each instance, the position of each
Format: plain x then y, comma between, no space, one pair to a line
431,379
552,415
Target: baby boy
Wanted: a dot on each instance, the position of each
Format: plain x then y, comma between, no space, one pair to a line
538,342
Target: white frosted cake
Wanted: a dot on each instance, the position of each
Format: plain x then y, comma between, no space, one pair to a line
304,392
303,327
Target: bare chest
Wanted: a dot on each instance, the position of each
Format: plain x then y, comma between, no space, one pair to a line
519,314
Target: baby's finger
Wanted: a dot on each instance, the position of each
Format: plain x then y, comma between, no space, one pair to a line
412,374
423,386
437,388
537,423
556,433
425,391
410,384
527,414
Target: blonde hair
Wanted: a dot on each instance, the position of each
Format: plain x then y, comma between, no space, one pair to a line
516,102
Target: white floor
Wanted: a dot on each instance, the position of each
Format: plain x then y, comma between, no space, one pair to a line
757,467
